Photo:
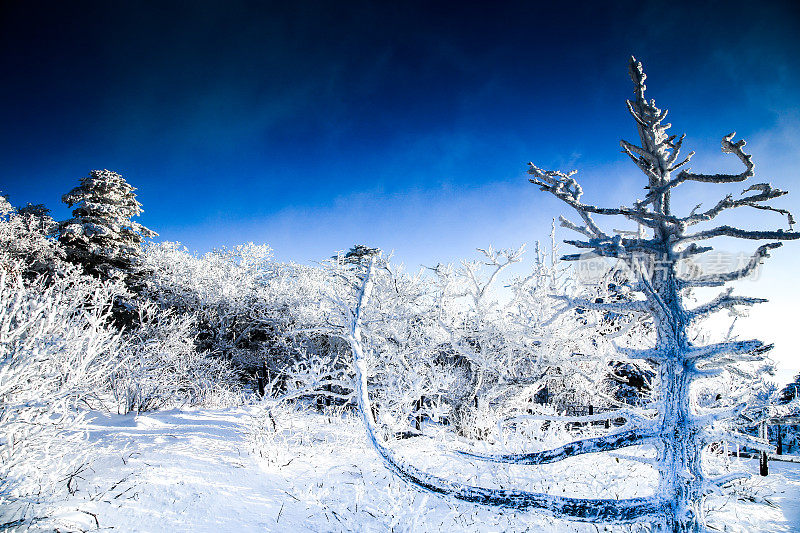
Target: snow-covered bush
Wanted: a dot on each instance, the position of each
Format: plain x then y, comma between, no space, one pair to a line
57,349
160,366
449,346
223,289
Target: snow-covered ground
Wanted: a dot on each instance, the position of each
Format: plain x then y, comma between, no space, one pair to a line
240,470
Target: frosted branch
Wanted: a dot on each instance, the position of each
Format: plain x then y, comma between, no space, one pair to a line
567,189
714,484
723,301
583,230
605,443
732,348
728,147
729,231
711,416
765,192
755,443
716,280
648,354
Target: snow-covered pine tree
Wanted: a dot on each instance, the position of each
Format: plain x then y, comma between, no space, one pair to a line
101,235
678,428
359,254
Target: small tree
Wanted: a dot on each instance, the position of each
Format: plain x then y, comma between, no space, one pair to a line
101,235
656,256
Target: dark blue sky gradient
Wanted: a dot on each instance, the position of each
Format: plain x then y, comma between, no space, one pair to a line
315,125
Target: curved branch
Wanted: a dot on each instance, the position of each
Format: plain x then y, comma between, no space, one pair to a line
605,443
728,147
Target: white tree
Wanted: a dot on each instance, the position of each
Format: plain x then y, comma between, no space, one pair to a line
656,255
101,234
25,239
515,345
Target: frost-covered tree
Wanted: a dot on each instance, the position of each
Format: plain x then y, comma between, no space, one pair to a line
101,234
26,239
656,255
359,254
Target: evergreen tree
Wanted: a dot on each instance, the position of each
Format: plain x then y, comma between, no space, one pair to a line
101,235
359,254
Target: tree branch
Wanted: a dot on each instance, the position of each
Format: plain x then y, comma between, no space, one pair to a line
606,443
729,231
701,353
717,280
723,301
766,193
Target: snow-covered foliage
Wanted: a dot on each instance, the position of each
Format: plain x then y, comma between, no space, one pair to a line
224,289
161,367
101,234
26,239
57,349
790,391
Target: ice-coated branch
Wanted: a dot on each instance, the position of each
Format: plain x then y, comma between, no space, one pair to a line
701,353
765,192
567,189
728,147
691,250
730,231
615,246
711,436
605,443
723,301
500,260
717,280
583,230
646,161
713,485
626,414
711,416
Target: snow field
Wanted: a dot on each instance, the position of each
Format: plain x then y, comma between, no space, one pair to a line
286,469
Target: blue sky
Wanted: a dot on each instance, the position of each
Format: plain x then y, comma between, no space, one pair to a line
316,125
